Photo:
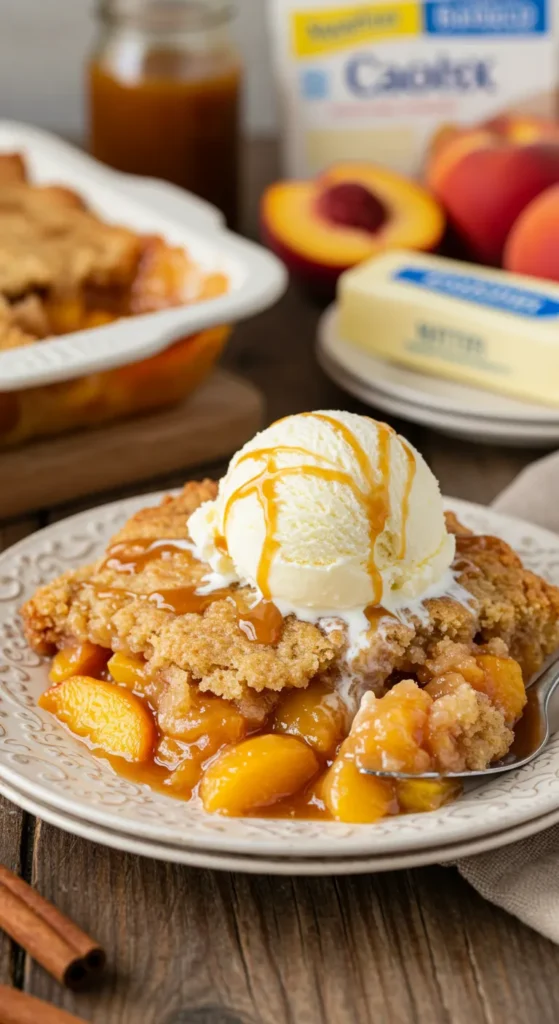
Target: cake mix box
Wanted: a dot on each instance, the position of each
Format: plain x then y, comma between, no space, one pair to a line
375,81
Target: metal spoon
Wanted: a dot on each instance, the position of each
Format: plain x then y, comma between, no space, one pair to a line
532,733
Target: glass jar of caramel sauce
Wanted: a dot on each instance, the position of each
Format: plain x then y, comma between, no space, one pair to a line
164,89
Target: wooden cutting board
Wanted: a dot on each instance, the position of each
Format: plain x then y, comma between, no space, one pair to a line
210,425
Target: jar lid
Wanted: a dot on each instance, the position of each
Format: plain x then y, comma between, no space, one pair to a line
164,15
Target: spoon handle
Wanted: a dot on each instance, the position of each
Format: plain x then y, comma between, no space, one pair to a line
545,686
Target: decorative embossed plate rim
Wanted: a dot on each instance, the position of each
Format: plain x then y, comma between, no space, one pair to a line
44,762
274,866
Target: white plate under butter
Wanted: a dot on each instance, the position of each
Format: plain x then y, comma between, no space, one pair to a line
148,206
457,409
43,763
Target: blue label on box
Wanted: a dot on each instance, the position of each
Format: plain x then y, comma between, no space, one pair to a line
468,288
486,17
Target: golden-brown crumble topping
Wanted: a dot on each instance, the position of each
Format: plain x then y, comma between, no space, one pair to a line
78,270
48,240
110,608
201,700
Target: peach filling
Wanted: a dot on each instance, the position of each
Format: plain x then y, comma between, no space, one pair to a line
303,761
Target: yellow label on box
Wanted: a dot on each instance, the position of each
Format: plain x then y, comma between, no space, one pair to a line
326,31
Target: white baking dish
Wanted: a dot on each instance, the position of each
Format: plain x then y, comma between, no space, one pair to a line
148,206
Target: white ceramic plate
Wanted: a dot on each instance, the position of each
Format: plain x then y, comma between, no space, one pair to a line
479,431
42,761
178,854
256,277
455,409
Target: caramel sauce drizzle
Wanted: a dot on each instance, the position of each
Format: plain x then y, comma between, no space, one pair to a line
375,499
263,623
185,600
375,614
411,468
263,485
133,556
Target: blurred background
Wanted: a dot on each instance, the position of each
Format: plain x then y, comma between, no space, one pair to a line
44,46
333,134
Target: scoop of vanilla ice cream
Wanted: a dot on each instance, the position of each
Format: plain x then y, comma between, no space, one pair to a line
329,511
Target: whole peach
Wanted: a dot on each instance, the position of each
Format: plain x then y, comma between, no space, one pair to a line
533,243
484,182
524,128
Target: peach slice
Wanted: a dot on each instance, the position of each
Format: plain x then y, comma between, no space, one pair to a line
256,773
503,684
316,715
426,794
184,761
388,731
197,734
81,660
108,716
187,774
127,670
213,720
351,212
354,797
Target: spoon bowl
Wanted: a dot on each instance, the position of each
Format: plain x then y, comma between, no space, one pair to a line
532,733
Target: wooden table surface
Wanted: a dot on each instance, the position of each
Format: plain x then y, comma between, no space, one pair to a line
189,946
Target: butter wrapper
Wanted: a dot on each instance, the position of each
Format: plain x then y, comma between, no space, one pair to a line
456,320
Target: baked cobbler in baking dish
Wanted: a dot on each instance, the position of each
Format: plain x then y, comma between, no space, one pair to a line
63,269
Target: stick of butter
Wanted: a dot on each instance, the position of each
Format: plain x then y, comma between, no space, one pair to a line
456,320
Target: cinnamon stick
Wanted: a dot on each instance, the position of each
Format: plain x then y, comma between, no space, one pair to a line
18,1008
46,934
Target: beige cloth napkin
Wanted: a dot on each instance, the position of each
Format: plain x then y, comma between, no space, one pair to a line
523,878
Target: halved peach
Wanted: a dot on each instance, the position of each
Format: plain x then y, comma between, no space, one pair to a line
108,716
317,715
256,773
80,660
354,797
349,213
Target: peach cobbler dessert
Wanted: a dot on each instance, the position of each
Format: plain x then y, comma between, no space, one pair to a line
255,645
63,269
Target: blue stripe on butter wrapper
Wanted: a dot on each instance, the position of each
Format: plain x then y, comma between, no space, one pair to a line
467,288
